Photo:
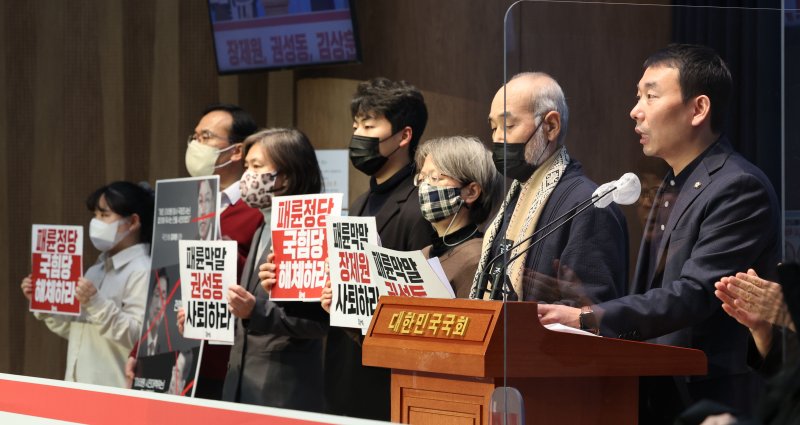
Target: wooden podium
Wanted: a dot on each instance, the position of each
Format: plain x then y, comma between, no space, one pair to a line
447,357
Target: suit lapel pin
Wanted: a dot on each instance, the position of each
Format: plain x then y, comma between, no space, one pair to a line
697,185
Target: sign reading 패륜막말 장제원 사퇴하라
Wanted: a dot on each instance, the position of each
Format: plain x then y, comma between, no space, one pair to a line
354,294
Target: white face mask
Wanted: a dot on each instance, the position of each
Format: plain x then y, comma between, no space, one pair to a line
104,235
200,158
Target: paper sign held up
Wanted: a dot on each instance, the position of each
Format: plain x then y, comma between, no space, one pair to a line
207,268
355,296
57,262
299,243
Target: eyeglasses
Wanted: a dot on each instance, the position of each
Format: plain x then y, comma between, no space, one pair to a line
431,179
204,137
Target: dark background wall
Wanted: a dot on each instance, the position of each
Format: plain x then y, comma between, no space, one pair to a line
101,90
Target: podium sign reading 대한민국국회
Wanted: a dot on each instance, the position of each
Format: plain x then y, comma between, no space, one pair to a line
448,356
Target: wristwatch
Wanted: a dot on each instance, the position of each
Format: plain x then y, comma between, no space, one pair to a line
588,320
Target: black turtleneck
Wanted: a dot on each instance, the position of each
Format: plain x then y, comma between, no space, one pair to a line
438,248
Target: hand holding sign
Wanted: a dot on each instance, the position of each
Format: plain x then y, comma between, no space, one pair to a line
85,290
267,273
130,371
327,297
27,287
181,320
240,301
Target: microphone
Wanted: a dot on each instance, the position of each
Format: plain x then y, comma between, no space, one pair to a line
624,191
629,188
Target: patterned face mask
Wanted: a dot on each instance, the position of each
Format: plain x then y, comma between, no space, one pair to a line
439,202
257,189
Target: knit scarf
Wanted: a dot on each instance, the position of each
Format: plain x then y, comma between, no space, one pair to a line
533,196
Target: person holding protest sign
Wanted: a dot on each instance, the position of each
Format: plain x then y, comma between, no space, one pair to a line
112,292
215,148
458,186
389,118
275,342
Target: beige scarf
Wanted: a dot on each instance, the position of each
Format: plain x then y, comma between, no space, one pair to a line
533,196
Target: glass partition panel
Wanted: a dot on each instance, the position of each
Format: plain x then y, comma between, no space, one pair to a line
578,110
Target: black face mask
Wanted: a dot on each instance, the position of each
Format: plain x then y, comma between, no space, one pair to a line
511,160
365,153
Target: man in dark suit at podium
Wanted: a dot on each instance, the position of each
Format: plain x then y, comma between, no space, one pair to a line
714,214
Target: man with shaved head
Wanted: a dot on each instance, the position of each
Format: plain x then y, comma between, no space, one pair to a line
585,260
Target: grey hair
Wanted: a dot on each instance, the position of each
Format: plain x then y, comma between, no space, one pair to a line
549,97
466,159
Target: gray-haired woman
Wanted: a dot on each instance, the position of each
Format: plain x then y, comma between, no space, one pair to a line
458,188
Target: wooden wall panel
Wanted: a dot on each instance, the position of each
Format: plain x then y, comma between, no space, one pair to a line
196,82
47,145
18,138
280,102
112,88
77,76
164,101
253,95
323,114
598,72
229,89
5,293
138,39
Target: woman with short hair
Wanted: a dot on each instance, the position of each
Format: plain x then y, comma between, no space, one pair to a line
458,189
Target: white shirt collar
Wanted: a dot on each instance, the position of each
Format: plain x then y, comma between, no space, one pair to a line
230,196
125,256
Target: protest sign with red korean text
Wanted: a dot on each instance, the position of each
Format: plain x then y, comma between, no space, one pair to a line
207,268
404,274
355,296
56,258
299,243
